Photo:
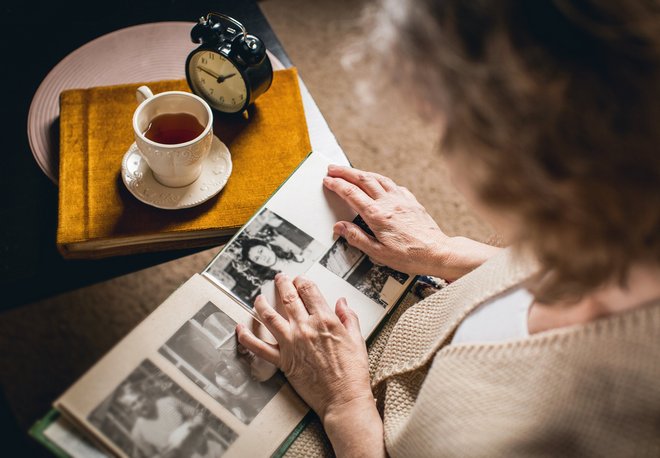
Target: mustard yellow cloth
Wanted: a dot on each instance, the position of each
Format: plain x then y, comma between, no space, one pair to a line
96,131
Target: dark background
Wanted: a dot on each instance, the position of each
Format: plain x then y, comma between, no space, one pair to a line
35,37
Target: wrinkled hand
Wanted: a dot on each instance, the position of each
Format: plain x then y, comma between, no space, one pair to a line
321,352
405,238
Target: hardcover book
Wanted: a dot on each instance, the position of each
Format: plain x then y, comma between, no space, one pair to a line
99,217
180,384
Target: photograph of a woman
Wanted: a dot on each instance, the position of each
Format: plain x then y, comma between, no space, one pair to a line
267,246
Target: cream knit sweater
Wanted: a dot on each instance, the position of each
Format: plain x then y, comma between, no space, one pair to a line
585,390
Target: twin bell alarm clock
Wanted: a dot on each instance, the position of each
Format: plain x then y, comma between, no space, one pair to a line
230,68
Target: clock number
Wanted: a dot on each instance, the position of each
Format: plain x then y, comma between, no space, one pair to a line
203,80
211,90
222,99
211,56
204,61
233,101
240,97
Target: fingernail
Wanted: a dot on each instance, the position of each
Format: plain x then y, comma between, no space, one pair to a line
333,167
327,180
339,229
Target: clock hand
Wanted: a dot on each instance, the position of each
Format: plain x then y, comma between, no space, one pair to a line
222,78
206,70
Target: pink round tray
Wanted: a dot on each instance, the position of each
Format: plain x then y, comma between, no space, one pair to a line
147,52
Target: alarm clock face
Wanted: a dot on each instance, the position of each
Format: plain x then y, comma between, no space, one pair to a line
218,81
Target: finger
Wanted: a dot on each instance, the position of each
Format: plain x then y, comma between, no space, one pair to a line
387,183
355,197
406,192
364,180
279,307
311,296
295,309
356,237
266,351
261,370
348,318
375,263
272,320
261,331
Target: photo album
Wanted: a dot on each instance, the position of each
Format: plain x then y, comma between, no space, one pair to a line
180,385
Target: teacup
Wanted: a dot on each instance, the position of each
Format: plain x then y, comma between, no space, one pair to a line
175,158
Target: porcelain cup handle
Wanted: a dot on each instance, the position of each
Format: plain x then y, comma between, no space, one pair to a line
143,93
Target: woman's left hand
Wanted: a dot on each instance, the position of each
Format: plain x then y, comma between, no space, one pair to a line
321,351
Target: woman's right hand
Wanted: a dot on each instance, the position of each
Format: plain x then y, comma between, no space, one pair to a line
405,238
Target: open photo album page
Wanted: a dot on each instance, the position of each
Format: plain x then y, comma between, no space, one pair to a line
293,234
180,385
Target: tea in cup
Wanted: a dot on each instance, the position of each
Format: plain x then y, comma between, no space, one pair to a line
173,131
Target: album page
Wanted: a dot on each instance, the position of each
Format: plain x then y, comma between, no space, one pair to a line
293,233
179,385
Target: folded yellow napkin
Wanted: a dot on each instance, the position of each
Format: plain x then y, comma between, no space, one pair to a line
98,216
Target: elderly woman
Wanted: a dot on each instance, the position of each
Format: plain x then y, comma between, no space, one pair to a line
549,113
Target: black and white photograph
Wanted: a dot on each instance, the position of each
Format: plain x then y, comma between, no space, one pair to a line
379,283
206,350
148,415
268,245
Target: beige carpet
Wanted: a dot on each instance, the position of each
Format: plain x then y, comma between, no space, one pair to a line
45,346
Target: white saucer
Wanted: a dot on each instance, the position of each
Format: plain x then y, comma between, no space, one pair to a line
139,180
